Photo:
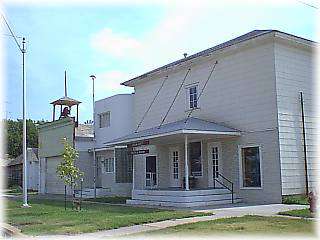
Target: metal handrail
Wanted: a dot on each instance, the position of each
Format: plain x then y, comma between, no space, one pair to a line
214,184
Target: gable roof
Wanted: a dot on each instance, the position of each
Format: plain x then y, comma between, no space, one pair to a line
242,38
19,159
192,125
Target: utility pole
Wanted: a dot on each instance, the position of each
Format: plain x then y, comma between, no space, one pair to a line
24,93
24,144
94,141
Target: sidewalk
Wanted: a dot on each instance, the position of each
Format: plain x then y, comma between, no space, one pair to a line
261,210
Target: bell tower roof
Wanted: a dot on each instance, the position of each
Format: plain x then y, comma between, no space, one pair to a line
66,101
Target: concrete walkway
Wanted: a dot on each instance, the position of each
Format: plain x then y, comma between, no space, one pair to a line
262,210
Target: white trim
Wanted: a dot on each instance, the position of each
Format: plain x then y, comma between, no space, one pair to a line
210,145
201,158
101,149
101,159
108,120
187,90
172,179
145,169
187,85
240,167
173,133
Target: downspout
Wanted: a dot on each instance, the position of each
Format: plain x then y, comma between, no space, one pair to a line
304,144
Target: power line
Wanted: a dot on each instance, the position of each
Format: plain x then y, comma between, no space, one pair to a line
12,34
307,4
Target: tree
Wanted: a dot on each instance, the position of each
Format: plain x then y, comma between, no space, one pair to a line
67,170
14,135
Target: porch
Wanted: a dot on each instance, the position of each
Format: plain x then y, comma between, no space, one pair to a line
183,165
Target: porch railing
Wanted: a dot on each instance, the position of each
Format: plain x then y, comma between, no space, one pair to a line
151,179
230,188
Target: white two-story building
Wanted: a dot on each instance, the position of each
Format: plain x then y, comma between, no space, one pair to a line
225,124
113,118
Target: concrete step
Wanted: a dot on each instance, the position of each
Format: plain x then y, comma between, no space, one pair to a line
183,199
180,193
182,205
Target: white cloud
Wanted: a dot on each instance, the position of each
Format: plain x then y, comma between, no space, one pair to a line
188,26
115,44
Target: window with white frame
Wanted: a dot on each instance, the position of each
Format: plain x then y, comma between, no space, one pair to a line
250,164
104,119
175,164
192,96
107,164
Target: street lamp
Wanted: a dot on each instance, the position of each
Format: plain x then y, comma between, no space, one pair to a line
93,77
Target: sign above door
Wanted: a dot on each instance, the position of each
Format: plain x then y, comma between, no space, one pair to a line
139,143
141,151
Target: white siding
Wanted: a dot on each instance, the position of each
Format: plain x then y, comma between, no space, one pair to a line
240,94
121,114
294,73
107,180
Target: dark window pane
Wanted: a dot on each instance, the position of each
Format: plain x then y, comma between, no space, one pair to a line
251,167
195,158
123,165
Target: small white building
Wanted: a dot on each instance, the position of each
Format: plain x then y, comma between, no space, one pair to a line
15,169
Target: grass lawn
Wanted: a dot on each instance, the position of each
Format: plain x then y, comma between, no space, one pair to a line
295,199
111,199
242,225
299,213
49,217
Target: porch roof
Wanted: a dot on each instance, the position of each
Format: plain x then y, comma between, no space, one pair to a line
191,126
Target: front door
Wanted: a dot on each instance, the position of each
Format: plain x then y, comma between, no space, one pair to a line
174,168
215,164
151,171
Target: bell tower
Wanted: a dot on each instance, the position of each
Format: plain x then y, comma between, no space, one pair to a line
66,103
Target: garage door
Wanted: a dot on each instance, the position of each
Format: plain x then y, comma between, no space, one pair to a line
53,182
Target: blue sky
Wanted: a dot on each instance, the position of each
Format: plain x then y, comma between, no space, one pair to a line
119,41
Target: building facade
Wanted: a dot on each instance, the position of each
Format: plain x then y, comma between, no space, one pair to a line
239,126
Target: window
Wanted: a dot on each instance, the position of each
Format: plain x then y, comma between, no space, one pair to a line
123,165
215,162
104,120
250,164
108,164
193,96
175,164
195,158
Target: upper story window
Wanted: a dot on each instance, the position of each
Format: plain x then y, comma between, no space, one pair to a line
192,96
104,120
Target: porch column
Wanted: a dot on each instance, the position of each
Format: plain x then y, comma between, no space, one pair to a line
186,165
